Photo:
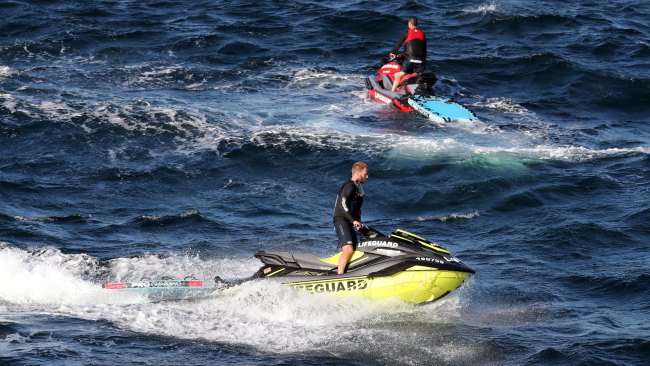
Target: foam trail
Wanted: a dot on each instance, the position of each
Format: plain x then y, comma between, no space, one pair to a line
30,280
269,317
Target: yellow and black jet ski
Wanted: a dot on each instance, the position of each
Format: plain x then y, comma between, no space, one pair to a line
401,265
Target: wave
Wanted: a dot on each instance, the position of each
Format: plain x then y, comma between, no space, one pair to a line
450,217
191,130
69,219
530,22
242,49
5,71
188,216
622,349
518,201
640,220
584,238
194,132
48,277
370,22
44,276
487,8
632,286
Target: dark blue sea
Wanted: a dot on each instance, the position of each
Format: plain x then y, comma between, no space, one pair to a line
165,139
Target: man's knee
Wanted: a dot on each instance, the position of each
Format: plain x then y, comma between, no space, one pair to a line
348,249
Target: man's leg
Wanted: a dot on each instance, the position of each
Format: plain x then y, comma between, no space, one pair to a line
398,78
345,257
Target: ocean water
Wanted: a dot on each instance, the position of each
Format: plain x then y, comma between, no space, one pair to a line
151,139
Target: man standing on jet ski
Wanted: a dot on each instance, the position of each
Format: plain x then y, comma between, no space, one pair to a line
347,213
415,49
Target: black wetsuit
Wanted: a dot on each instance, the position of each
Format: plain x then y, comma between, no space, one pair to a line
347,210
415,48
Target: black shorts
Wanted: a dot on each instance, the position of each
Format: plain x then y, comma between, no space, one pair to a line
411,65
345,231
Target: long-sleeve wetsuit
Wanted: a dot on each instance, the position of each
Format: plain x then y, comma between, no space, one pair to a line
415,44
348,202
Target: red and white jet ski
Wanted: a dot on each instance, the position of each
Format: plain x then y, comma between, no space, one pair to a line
379,86
414,93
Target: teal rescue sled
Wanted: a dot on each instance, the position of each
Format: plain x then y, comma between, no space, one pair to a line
440,109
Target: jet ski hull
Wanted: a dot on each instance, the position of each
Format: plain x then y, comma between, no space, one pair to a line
416,285
400,266
384,96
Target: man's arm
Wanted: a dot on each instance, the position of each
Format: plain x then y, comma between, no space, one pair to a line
346,192
399,43
425,46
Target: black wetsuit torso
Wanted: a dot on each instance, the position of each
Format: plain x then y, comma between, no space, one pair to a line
348,202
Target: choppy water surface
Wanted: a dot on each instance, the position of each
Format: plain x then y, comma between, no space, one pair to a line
165,139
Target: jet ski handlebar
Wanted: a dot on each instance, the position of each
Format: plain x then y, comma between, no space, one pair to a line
393,57
370,233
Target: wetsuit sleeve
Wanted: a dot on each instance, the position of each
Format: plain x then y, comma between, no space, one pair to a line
424,46
346,193
399,43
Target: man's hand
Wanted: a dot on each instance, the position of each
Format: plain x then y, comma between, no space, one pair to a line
357,225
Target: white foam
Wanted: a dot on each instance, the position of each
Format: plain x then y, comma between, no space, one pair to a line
16,338
8,102
5,71
156,74
503,149
484,9
153,266
504,105
58,109
264,315
47,279
570,153
190,126
308,75
313,136
453,216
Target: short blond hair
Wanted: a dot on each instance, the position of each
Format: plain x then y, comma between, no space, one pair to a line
359,167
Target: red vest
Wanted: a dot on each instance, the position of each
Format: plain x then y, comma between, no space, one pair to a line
414,34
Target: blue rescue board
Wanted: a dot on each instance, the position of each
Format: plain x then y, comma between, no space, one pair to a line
167,289
441,110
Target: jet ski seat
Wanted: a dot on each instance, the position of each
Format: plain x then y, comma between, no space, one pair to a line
312,261
385,80
298,260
